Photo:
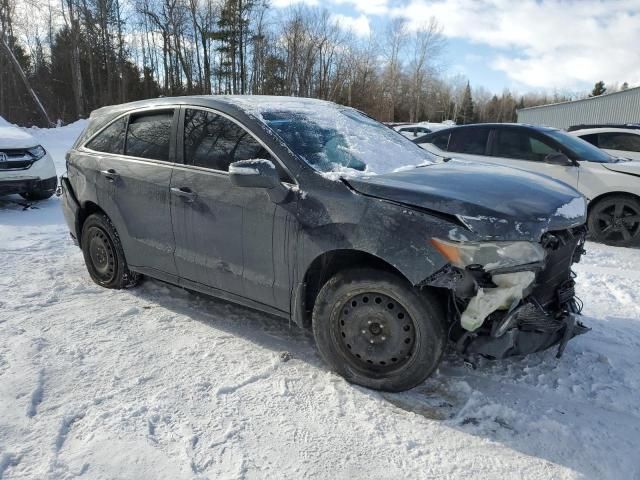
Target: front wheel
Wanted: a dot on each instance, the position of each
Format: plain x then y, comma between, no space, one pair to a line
377,331
615,221
103,254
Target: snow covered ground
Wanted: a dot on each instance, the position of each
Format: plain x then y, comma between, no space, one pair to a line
157,382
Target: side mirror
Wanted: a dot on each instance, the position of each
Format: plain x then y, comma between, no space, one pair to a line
258,173
557,158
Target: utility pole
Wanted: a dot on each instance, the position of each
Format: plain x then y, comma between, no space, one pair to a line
13,59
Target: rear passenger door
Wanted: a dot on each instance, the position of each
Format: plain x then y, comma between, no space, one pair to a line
135,159
525,149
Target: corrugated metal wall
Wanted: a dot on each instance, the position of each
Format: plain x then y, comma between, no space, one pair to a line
619,107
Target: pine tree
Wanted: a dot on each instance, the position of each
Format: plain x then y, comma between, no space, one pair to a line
598,89
466,113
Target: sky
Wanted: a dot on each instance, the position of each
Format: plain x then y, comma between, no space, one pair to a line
523,45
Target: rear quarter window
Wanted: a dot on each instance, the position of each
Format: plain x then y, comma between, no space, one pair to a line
111,139
149,135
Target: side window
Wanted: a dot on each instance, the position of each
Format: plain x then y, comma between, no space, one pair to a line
592,139
540,148
111,139
619,141
213,141
149,135
469,140
519,144
441,141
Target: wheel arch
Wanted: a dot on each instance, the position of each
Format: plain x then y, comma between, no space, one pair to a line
86,209
606,195
325,266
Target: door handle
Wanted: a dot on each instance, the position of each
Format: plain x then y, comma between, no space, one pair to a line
109,174
184,192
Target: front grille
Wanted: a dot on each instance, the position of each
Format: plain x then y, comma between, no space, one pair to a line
555,283
15,159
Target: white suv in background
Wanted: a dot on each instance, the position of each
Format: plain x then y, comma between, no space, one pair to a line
25,167
611,184
618,141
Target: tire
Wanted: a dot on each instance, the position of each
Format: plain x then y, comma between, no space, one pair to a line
376,330
615,220
103,254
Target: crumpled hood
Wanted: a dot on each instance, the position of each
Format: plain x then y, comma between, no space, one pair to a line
631,167
492,201
14,137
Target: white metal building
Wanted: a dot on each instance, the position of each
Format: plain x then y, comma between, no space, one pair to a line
619,107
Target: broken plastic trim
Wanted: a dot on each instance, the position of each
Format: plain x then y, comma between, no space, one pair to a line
508,293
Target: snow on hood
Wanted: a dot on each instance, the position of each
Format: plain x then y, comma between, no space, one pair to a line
14,137
576,208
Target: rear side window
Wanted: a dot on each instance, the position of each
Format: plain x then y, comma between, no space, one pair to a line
469,140
111,139
149,135
213,141
619,141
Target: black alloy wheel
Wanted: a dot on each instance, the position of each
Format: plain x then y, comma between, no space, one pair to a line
616,221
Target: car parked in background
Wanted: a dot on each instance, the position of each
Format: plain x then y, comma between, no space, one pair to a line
413,130
617,141
319,214
611,184
25,167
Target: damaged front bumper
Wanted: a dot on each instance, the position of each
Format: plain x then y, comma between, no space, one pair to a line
520,310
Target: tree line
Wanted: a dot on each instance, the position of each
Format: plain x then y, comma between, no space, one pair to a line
84,54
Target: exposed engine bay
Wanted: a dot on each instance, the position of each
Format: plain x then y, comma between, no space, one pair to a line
498,311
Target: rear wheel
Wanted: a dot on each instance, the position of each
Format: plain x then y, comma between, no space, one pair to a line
103,254
376,330
616,221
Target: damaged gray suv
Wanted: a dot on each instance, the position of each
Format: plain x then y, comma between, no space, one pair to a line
316,213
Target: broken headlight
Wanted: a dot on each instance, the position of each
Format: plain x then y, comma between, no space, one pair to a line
489,255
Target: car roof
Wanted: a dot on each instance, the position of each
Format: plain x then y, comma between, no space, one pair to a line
245,103
589,131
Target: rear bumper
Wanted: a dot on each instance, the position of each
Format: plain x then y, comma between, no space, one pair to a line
27,184
70,209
